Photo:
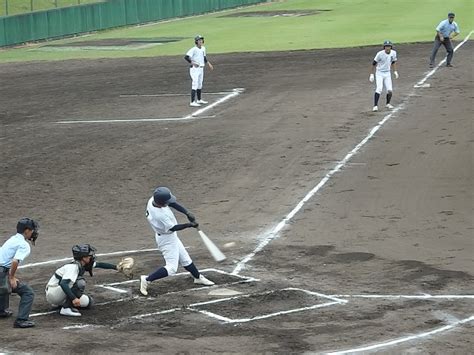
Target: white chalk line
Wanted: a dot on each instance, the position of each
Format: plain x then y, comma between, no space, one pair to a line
405,339
417,297
422,81
274,233
194,306
172,95
192,116
55,261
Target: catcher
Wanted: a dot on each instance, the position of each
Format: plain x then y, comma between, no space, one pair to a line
66,287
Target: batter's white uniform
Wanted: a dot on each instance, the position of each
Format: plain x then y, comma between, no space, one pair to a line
196,71
161,220
54,293
383,75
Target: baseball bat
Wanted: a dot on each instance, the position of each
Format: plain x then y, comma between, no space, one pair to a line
213,249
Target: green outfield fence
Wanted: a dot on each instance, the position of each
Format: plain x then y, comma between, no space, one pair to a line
72,20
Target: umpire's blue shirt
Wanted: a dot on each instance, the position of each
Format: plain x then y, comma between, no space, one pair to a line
447,28
15,248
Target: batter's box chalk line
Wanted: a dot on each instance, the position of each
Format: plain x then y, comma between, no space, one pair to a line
243,279
332,301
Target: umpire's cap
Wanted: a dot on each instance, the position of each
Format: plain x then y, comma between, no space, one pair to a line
162,195
28,223
81,250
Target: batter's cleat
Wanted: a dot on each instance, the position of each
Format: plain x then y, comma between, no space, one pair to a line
375,108
194,104
23,323
144,285
431,66
203,281
71,312
389,106
6,313
202,102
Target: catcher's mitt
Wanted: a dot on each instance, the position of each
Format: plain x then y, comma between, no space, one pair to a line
125,266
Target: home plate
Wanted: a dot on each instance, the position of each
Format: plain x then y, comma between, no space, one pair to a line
224,292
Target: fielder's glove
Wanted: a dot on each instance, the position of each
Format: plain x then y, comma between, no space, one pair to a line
371,78
396,74
191,217
125,266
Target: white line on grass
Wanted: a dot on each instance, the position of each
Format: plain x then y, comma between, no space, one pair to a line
404,339
274,233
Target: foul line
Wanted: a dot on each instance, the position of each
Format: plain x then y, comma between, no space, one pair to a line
416,297
405,339
172,95
274,233
422,81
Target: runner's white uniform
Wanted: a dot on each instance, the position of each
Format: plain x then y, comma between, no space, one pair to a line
383,75
161,220
196,71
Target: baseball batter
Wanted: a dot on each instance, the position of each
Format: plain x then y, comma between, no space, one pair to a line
445,32
383,63
197,59
66,287
164,224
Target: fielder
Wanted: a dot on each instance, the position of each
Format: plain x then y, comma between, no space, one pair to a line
12,253
384,61
66,287
445,32
164,224
197,59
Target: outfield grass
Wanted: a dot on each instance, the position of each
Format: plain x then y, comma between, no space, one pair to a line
349,23
22,6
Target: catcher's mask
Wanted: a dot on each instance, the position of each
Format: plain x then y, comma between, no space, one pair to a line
28,223
81,250
197,38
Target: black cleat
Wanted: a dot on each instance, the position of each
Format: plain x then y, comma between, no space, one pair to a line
449,65
6,313
23,324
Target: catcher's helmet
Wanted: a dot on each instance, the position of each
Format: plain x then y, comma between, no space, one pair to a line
387,43
197,38
28,223
81,250
163,195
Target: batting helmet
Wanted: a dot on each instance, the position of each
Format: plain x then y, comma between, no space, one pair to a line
81,250
387,43
162,195
28,223
197,38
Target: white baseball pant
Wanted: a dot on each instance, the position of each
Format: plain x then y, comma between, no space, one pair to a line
173,252
197,76
383,79
56,297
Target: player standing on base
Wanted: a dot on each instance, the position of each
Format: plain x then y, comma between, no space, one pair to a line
164,224
445,32
384,61
197,59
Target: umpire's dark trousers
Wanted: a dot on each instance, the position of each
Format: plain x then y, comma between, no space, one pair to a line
23,290
449,48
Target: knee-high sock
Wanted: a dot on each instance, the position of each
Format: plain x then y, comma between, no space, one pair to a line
198,91
193,95
389,96
193,270
158,274
376,98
